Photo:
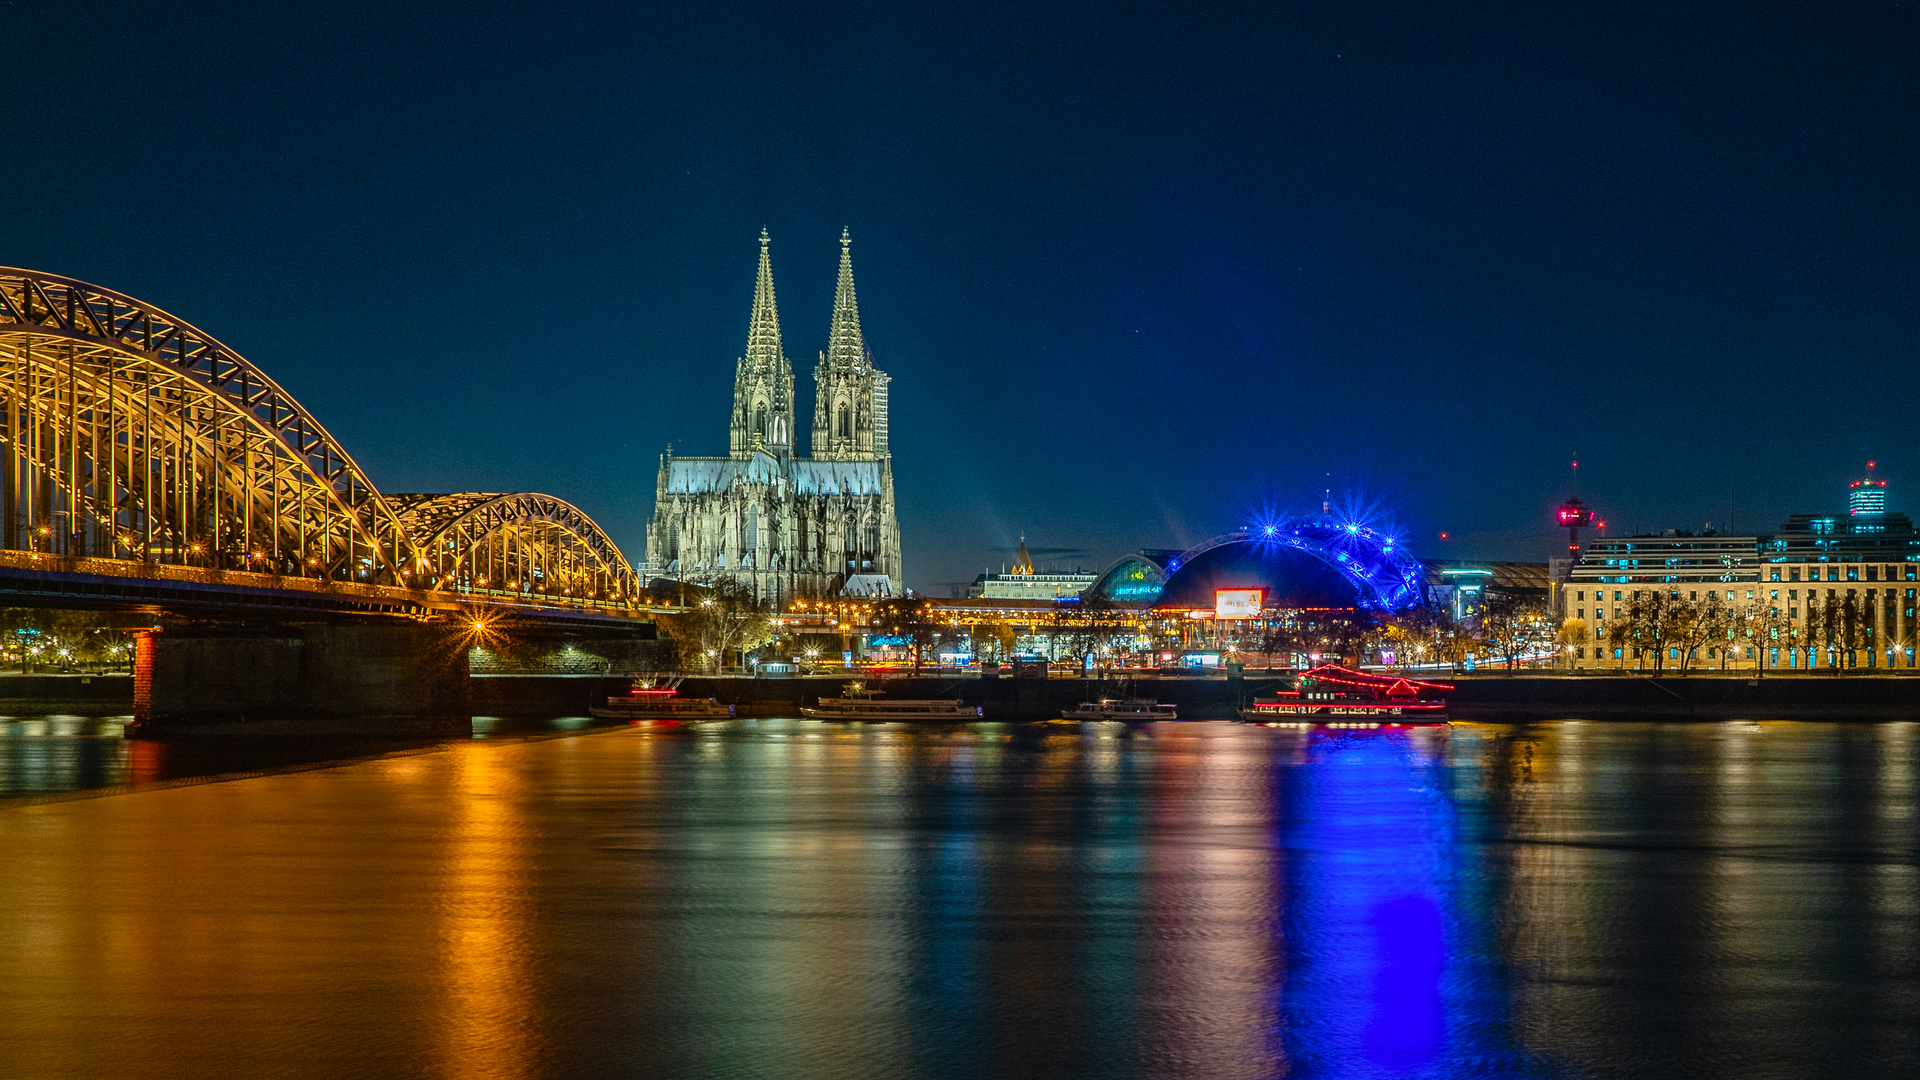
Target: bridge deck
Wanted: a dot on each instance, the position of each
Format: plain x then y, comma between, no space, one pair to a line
55,580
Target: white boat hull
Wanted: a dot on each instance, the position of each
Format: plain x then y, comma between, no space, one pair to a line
891,711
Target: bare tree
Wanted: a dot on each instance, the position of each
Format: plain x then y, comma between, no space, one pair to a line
1515,628
1573,634
1823,629
1696,624
910,618
1763,623
722,617
1648,625
1851,628
1416,634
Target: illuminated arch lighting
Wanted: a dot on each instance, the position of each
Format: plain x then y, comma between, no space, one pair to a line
1388,579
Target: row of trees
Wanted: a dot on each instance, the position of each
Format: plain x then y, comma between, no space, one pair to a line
1508,631
1659,628
40,639
722,623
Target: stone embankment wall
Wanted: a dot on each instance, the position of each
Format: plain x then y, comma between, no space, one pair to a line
78,695
581,657
302,679
1492,698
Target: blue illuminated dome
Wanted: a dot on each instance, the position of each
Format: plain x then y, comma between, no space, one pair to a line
1325,562
1290,577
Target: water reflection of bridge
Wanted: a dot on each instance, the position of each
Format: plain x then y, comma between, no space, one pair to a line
144,464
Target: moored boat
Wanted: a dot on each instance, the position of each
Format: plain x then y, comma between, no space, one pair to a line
1334,694
861,704
1132,710
660,703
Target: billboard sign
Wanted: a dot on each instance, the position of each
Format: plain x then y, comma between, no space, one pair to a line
1237,603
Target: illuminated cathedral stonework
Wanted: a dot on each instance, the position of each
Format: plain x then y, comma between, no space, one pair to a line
789,526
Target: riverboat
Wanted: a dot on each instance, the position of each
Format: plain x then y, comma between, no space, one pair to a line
1334,694
1130,710
858,703
660,703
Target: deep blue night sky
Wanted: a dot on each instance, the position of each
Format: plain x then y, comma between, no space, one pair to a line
1137,272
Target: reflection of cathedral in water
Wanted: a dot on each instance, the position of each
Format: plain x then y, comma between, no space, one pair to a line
789,526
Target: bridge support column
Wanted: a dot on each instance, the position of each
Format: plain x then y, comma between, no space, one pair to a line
293,679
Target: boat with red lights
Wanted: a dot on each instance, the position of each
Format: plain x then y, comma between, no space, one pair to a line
1330,693
661,703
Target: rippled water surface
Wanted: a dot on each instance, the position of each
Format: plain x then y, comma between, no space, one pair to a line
789,899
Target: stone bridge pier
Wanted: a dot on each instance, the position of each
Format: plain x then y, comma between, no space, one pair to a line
289,679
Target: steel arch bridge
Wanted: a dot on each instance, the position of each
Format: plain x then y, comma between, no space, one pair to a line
1388,578
130,435
521,542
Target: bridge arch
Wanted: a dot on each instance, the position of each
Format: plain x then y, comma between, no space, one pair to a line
517,542
127,432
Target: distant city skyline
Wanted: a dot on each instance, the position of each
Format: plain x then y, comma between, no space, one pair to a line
1136,275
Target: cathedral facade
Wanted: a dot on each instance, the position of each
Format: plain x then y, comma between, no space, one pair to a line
789,526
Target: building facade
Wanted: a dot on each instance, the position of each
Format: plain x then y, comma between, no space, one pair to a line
1022,582
783,525
1826,591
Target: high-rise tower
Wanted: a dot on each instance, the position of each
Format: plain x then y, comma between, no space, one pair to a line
849,393
1867,498
763,380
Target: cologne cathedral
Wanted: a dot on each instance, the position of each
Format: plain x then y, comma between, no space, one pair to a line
787,526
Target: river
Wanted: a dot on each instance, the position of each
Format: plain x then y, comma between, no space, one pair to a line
780,898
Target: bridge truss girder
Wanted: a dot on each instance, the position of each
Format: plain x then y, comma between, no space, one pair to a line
519,542
128,433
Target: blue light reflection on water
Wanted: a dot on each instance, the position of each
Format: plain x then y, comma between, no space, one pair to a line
1384,977
795,899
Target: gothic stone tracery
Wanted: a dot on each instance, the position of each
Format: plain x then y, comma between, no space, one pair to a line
785,525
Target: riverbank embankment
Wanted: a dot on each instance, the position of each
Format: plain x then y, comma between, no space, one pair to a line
1491,698
1479,697
66,694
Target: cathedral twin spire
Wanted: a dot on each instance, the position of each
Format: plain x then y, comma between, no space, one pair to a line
849,393
763,328
763,382
846,349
